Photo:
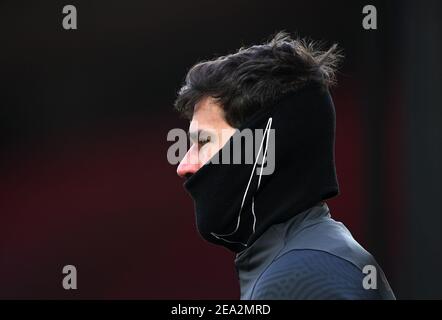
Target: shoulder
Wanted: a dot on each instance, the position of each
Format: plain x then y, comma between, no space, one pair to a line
311,274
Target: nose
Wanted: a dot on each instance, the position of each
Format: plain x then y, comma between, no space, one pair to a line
187,166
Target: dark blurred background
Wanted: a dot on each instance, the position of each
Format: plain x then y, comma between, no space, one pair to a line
84,115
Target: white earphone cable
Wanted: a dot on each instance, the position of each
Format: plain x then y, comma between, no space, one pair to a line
265,136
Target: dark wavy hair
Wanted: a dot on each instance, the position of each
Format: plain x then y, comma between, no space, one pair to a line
257,76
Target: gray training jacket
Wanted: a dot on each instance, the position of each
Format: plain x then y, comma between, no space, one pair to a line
310,256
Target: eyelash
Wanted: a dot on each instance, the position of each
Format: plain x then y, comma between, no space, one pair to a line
203,141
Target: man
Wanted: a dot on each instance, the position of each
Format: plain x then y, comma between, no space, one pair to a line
286,243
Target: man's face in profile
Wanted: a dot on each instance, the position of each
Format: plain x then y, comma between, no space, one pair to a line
208,132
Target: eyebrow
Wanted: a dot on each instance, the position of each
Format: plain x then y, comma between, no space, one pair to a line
193,135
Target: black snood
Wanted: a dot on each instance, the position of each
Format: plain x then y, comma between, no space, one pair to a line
234,204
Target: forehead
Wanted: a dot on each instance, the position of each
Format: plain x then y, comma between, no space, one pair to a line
208,114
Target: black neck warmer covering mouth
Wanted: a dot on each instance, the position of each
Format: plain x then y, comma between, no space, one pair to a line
234,205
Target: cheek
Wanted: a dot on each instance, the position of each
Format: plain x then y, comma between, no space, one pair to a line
226,134
207,151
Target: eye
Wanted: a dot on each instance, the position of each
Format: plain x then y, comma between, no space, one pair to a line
202,141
